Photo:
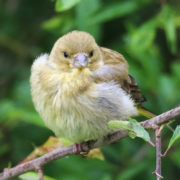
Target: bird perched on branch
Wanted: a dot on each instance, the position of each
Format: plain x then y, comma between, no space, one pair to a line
79,87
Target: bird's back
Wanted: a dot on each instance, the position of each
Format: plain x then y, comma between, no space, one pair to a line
122,77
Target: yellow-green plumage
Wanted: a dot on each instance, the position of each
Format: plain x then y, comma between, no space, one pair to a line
77,102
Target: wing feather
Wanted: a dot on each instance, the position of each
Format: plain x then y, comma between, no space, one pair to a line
115,68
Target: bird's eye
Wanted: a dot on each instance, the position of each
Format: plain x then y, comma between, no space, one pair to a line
91,54
65,54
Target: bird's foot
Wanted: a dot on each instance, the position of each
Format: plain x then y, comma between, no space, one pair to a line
78,149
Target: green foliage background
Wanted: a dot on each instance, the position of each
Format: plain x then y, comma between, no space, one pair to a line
146,32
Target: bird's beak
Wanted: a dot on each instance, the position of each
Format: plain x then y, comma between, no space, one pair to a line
80,61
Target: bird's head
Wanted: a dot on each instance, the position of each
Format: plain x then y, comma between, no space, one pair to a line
76,51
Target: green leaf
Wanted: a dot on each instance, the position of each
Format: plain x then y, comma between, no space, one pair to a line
175,137
113,10
52,23
132,134
139,130
60,24
167,22
84,11
143,37
63,5
33,176
133,126
10,111
115,124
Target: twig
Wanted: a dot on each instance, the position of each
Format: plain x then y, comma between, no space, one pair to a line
158,154
68,150
39,162
165,153
162,118
40,172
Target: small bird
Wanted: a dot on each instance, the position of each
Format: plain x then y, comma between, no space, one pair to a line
79,87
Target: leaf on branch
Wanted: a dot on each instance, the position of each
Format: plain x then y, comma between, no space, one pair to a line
33,176
175,136
115,124
53,143
96,153
63,5
133,126
139,130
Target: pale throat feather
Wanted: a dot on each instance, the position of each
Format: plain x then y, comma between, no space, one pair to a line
75,83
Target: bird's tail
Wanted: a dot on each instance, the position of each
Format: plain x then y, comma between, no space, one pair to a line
146,113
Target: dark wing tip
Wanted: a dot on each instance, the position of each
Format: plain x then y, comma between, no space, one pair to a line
135,91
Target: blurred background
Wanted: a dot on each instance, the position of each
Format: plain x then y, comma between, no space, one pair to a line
146,32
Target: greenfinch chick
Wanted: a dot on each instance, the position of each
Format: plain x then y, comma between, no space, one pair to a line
79,87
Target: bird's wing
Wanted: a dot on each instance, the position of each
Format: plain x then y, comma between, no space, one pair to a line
116,68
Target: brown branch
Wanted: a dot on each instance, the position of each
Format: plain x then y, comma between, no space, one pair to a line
158,154
40,172
162,118
86,146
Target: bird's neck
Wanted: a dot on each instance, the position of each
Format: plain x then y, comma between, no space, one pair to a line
76,82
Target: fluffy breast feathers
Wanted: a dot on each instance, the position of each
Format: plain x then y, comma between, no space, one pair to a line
78,104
